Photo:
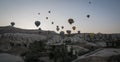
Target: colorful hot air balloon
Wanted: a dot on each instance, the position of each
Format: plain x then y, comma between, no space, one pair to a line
62,27
52,22
12,23
37,23
88,16
78,32
49,11
89,2
73,27
68,32
46,17
57,28
70,21
38,13
39,28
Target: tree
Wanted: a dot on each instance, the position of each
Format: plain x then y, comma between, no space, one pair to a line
58,52
34,52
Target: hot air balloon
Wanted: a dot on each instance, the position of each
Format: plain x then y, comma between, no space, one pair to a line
89,2
49,11
73,27
38,13
88,16
62,27
70,21
52,22
57,28
39,28
46,17
37,23
12,23
68,32
78,32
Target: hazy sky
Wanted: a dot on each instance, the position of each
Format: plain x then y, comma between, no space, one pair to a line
104,14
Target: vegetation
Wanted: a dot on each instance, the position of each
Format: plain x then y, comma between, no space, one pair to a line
59,53
35,51
115,58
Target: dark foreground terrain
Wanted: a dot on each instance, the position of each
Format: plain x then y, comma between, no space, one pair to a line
21,45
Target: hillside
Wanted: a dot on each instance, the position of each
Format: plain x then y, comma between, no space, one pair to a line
17,41
12,35
11,29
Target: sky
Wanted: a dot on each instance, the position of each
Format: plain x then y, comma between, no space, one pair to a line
104,14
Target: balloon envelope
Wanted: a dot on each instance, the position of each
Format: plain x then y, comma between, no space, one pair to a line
78,32
73,27
37,23
49,11
70,21
68,31
57,28
38,13
52,22
12,23
89,2
88,16
46,17
62,27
